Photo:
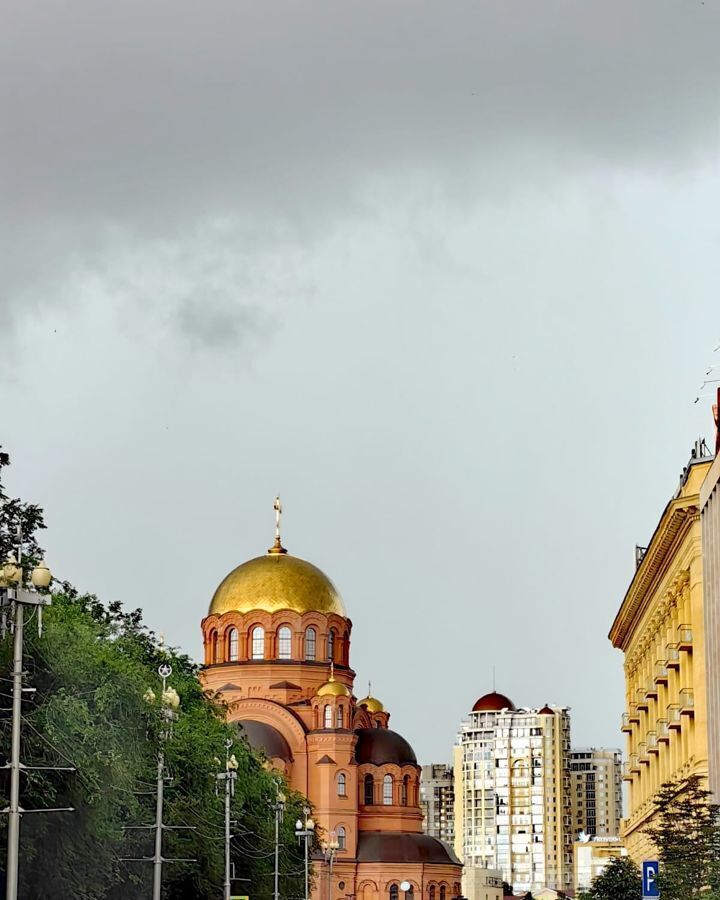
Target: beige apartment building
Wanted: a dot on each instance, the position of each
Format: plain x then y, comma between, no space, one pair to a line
710,520
596,791
512,793
437,799
660,628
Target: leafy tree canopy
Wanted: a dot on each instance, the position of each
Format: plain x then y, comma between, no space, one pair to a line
621,880
686,832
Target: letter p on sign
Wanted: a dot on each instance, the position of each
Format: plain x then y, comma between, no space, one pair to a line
649,878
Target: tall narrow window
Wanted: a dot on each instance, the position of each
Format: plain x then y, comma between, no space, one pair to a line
341,785
404,790
443,892
233,644
339,717
331,644
369,790
341,838
394,892
258,642
327,716
387,790
410,893
310,640
432,892
284,643
214,647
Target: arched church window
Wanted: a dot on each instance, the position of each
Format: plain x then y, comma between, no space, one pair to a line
341,838
310,640
410,893
457,890
369,789
258,642
214,647
404,790
284,643
443,892
233,644
327,716
388,790
394,892
331,644
432,892
341,785
339,717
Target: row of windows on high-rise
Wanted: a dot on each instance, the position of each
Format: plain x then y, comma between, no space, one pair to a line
283,644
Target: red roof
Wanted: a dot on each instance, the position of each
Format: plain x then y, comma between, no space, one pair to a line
493,702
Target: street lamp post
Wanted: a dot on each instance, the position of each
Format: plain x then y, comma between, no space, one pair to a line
169,703
305,831
279,807
15,595
330,849
229,777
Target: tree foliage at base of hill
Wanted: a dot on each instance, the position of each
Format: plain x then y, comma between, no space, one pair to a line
91,668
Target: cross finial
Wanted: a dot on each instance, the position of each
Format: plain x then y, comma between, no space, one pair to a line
277,547
369,688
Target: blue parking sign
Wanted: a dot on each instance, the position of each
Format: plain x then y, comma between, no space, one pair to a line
650,871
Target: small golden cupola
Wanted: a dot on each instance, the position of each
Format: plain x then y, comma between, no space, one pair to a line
333,688
372,704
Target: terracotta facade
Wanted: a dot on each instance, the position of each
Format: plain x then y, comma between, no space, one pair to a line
277,649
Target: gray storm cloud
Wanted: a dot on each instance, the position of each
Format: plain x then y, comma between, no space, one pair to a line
143,123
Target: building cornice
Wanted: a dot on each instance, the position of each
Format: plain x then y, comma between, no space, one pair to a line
676,521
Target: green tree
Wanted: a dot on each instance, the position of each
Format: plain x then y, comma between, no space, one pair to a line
508,889
91,668
687,836
621,880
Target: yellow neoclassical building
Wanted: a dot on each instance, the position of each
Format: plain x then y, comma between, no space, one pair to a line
660,629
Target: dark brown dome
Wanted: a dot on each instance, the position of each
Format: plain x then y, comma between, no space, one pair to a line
401,847
378,746
493,702
266,739
545,711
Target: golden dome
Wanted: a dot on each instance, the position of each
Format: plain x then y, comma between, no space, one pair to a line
333,688
372,704
276,581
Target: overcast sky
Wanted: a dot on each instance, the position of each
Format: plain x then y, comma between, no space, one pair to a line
445,275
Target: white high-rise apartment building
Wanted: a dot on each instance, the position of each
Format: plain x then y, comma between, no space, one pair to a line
437,799
596,791
512,793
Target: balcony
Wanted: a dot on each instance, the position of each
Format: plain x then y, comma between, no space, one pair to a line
687,702
633,715
642,700
626,724
684,637
651,689
661,672
673,656
673,714
652,742
634,762
626,772
642,748
663,734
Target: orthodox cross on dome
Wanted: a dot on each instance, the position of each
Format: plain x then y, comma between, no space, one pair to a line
277,547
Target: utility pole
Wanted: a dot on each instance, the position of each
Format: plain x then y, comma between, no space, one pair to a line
279,808
15,597
169,704
229,776
305,831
